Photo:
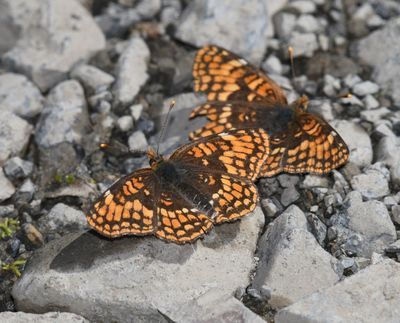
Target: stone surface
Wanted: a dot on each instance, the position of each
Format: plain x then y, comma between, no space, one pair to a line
362,227
51,317
364,88
384,62
55,36
371,295
65,117
371,184
93,79
104,280
221,23
7,189
137,141
14,135
16,168
131,71
387,152
358,141
304,44
19,95
125,123
289,256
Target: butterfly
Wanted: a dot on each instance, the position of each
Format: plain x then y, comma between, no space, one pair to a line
240,95
179,199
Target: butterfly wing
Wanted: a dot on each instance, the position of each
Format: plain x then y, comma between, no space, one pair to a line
224,76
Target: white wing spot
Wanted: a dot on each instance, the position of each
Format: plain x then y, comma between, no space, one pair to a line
243,61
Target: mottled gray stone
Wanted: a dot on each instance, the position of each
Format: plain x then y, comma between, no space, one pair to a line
287,244
366,87
7,189
18,168
63,217
65,117
289,195
288,180
55,36
14,135
358,141
307,24
51,317
137,141
141,279
372,184
20,96
125,123
305,44
221,23
92,78
311,181
387,152
371,295
370,102
375,115
131,71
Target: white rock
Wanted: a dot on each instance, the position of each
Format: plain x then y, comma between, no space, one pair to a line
63,217
311,181
304,44
375,115
284,23
136,111
370,102
93,79
125,123
7,189
365,88
55,36
19,95
272,65
50,317
307,24
351,80
138,141
131,71
371,295
302,6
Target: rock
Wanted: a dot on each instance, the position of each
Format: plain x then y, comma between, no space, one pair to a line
307,24
137,141
16,168
362,227
272,65
26,191
221,263
358,141
65,117
351,80
365,88
388,151
15,134
53,39
301,6
125,123
50,317
371,184
371,295
332,64
289,195
288,180
170,12
63,218
20,96
331,85
131,71
288,244
136,111
370,102
270,207
386,70
7,211
394,247
375,115
93,79
396,214
33,235
7,189
304,44
284,24
311,181
221,23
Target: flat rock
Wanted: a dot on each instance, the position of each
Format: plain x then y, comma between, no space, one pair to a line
20,96
55,36
371,184
357,140
15,133
51,317
384,62
371,295
221,23
7,189
289,255
131,71
137,278
65,117
92,78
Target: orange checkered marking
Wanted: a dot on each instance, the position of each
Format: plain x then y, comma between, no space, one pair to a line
206,182
300,142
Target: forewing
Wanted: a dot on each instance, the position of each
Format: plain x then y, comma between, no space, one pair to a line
224,76
127,207
236,152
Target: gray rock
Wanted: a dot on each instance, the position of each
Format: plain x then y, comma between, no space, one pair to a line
323,109
331,85
53,39
375,115
396,214
50,317
125,123
131,71
372,184
284,24
221,23
287,244
288,180
18,168
170,12
386,70
20,96
351,80
311,181
269,207
15,133
365,88
7,189
394,247
136,111
388,153
307,24
358,141
63,218
7,210
304,44
272,65
65,117
289,196
137,141
156,277
363,227
370,102
93,79
302,6
371,295
26,191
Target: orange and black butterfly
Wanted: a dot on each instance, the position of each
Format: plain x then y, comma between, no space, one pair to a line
241,96
206,182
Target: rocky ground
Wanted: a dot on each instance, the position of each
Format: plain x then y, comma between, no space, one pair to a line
75,73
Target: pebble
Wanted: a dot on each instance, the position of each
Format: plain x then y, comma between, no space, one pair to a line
17,168
33,235
136,111
365,88
376,115
331,85
62,218
26,191
370,102
307,24
272,65
7,189
396,214
311,181
75,37
92,78
305,44
289,195
270,207
7,210
371,184
125,123
288,180
131,71
137,141
351,80
284,24
302,7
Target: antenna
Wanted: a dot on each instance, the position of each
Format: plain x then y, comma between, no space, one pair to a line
291,51
172,104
